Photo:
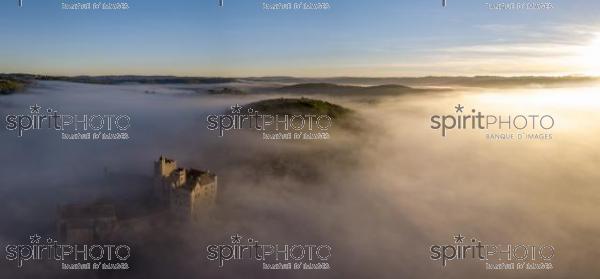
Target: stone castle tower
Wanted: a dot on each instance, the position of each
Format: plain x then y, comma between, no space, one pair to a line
189,193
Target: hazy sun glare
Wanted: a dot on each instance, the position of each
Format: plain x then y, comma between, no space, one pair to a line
589,57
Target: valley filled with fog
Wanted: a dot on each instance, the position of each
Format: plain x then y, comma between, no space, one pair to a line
380,196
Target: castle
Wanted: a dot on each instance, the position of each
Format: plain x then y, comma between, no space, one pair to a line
188,193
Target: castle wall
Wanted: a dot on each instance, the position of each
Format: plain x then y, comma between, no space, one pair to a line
185,201
203,199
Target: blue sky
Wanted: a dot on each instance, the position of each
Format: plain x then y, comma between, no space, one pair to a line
353,38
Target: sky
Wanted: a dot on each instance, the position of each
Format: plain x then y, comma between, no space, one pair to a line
374,38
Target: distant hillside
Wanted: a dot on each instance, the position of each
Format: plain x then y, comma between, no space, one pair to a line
444,81
9,86
226,91
352,85
139,79
334,89
509,82
302,106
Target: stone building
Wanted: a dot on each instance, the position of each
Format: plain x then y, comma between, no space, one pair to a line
188,193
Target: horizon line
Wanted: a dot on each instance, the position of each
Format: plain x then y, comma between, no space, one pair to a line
309,77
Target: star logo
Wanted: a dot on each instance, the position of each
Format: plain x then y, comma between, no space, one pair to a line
236,109
459,238
35,239
35,108
236,239
459,108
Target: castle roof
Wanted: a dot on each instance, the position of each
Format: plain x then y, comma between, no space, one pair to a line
197,177
165,159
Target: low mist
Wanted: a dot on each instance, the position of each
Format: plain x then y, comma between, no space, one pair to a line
380,196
